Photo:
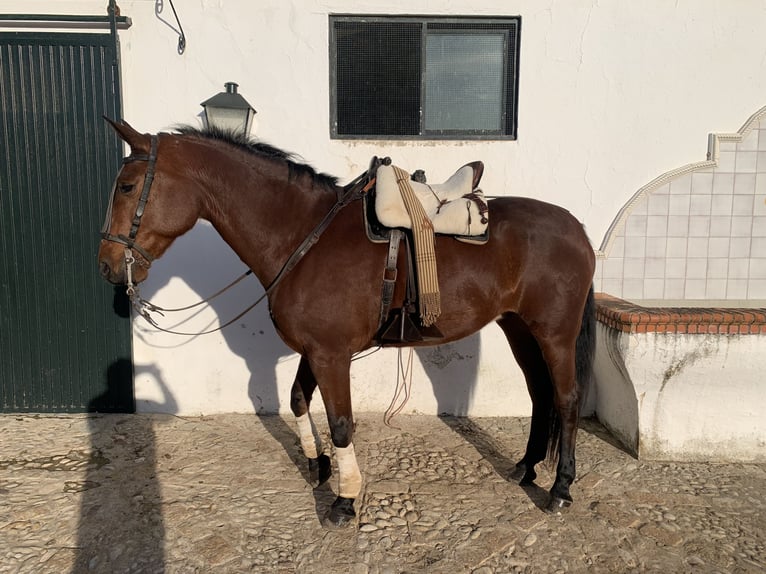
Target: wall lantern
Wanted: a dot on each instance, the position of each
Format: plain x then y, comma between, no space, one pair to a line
229,111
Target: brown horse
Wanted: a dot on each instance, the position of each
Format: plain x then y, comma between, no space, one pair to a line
533,277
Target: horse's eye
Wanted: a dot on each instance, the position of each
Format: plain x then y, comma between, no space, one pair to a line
125,187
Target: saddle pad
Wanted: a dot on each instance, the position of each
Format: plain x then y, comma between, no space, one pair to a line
448,210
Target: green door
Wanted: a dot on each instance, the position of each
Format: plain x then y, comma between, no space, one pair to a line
65,337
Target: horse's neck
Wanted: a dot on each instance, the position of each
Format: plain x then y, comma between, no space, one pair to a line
264,217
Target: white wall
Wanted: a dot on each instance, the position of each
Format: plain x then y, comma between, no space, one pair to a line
611,95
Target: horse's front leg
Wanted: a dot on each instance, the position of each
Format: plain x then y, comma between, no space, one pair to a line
332,375
304,385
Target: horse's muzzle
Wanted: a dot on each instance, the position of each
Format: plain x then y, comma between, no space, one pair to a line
116,277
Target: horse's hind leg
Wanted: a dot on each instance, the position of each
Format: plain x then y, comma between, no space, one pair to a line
530,359
304,385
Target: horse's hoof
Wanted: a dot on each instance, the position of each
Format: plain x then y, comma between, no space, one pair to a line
320,470
557,505
341,513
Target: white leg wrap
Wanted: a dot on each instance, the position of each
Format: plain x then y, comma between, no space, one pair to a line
350,477
312,445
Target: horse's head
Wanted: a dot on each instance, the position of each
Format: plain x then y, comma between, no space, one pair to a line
146,210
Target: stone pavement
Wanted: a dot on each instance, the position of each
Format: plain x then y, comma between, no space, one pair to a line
155,493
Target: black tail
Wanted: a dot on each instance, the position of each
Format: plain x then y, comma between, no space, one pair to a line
585,348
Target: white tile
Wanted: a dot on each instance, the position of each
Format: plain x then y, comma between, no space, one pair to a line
721,205
654,288
618,247
723,183
718,247
674,288
681,185
676,246
759,226
598,282
699,226
641,207
654,268
720,226
736,289
760,184
726,161
612,286
657,225
695,289
633,289
633,269
717,268
697,247
762,139
744,183
757,268
739,247
675,268
742,205
749,142
760,166
715,289
758,246
613,268
746,161
702,183
656,246
739,268
700,204
727,146
741,226
662,190
759,204
678,225
756,289
635,246
658,204
679,204
636,225
696,268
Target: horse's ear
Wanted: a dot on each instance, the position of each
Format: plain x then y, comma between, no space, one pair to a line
138,142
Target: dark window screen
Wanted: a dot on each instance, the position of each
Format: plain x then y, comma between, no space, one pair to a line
424,77
378,78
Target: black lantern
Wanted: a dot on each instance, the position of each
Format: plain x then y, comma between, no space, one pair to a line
229,111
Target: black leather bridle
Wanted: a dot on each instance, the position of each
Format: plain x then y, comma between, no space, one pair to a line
130,240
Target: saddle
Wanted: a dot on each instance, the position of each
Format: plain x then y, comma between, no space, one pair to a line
455,207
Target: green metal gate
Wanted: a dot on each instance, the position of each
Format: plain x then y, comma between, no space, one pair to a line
65,338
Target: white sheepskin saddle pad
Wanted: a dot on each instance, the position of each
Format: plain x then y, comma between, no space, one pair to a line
450,212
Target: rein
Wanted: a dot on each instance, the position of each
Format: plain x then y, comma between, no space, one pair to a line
352,192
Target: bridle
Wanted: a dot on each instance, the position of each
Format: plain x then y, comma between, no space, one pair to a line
129,241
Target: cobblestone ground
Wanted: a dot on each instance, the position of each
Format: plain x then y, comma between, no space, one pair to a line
136,493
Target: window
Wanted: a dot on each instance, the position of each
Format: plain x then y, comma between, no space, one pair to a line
424,77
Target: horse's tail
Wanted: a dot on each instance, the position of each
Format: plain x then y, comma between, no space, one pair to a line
585,348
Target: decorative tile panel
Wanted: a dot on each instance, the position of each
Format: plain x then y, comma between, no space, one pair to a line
695,232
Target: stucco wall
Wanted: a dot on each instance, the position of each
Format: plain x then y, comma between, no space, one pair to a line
611,95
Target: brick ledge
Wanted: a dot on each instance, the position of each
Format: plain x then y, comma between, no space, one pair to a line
630,318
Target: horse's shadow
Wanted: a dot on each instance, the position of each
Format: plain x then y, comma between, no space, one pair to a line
208,264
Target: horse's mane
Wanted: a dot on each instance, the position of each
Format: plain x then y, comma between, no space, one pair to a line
295,167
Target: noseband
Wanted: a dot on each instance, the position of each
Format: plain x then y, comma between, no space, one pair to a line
130,240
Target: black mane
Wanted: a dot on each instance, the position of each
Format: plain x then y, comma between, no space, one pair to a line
295,167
